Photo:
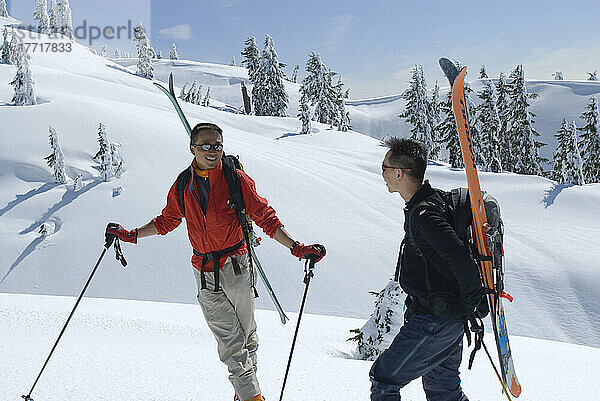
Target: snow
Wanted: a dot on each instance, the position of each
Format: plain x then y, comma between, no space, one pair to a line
326,187
136,350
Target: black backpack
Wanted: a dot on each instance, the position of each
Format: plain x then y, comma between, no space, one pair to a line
458,212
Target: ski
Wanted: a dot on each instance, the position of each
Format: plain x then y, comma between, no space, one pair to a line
491,276
171,95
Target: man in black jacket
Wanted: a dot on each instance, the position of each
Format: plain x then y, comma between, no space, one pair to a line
441,281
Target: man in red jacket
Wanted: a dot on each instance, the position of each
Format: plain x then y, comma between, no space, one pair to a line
221,261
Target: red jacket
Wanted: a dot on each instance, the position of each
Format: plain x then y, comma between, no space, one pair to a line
220,228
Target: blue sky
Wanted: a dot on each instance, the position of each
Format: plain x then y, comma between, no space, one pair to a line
373,44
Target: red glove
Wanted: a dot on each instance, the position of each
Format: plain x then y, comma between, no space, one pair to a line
307,251
121,233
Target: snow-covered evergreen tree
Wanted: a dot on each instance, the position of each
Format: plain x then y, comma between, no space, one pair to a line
23,82
416,112
483,73
434,118
173,54
232,63
268,93
144,65
66,24
41,16
159,56
294,78
558,76
250,57
78,182
104,51
448,133
56,159
590,142
206,98
6,49
318,90
503,106
524,145
3,11
593,76
304,115
104,155
383,325
116,159
567,160
117,53
53,14
488,126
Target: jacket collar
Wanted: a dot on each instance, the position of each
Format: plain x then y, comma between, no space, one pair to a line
421,194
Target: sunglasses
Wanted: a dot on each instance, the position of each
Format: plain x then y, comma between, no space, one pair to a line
384,167
207,146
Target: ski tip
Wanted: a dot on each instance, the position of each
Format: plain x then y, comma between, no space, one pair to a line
171,84
449,68
515,387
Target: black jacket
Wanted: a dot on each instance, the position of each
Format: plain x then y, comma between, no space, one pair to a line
436,269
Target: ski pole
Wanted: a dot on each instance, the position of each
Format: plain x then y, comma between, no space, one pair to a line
308,274
496,370
109,239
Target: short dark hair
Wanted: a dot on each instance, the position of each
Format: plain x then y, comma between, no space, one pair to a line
204,127
409,154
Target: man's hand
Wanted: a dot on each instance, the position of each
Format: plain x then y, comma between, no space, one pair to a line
308,251
121,233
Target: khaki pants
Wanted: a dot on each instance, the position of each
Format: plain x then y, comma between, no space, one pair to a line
229,314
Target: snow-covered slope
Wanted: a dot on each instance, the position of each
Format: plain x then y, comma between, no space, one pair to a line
148,351
325,186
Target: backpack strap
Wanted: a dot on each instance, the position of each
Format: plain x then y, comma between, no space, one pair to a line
182,181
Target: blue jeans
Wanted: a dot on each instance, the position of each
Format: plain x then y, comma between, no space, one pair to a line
427,346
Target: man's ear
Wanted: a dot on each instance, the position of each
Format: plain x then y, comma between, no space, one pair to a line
192,150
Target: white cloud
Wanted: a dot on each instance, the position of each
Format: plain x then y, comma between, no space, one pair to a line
574,62
229,3
338,27
177,32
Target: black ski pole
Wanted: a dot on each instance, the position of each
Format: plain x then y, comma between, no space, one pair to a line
108,242
308,274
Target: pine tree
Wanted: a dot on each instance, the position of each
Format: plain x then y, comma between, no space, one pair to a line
6,49
3,11
434,118
521,133
593,76
66,25
590,142
41,16
268,93
318,90
483,73
206,99
159,56
342,117
104,51
448,132
53,13
173,54
104,155
116,159
383,325
416,111
503,106
56,160
232,63
558,76
304,115
488,126
23,82
145,68
567,160
117,53
250,58
295,74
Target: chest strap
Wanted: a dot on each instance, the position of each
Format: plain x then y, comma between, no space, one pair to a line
215,257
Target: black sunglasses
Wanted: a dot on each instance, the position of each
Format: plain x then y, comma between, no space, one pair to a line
207,146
